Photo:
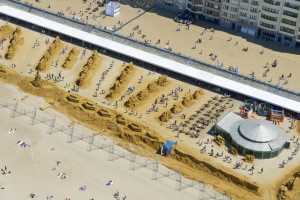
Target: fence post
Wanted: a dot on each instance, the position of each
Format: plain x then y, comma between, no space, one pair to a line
155,170
33,116
70,140
179,181
132,162
14,110
111,151
52,125
91,142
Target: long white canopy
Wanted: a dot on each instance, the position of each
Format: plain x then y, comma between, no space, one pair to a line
153,59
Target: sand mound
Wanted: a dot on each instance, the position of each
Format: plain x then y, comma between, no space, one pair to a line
71,58
48,57
298,126
121,81
15,42
88,70
145,93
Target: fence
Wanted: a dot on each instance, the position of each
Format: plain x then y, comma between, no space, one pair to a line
112,35
56,123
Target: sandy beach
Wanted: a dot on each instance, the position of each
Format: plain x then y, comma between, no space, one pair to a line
132,105
34,168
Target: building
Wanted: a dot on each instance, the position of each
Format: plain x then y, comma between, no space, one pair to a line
260,138
206,9
275,20
112,8
179,4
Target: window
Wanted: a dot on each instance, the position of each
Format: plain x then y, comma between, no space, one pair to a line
253,17
270,26
276,3
267,17
290,5
287,30
254,10
233,9
243,14
271,10
254,3
289,22
290,14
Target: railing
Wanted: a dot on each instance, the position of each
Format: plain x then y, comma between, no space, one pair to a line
112,35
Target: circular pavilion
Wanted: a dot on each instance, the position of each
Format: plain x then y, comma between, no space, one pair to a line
260,138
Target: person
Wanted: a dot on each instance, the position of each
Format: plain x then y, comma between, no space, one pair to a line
109,183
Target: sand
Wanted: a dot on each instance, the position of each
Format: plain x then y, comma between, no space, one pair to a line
141,126
37,165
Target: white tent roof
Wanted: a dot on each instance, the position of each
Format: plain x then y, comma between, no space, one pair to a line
259,130
156,60
252,134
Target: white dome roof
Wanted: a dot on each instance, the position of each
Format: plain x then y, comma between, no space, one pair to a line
260,131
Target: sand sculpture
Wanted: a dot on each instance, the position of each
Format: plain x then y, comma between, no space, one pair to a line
49,55
37,82
73,98
2,69
71,58
89,105
290,188
6,32
121,81
15,42
88,70
165,116
142,95
187,101
104,113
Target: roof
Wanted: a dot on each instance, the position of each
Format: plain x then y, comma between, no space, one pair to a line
151,58
114,4
259,130
252,134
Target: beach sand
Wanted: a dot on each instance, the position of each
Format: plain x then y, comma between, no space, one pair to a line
149,133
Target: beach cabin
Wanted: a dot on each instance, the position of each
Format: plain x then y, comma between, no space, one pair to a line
112,8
